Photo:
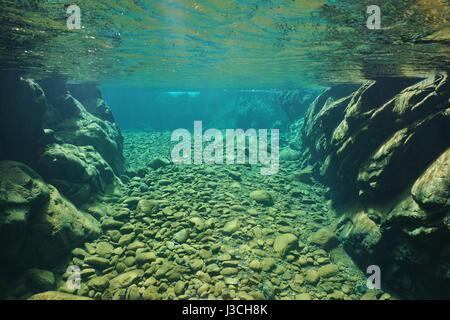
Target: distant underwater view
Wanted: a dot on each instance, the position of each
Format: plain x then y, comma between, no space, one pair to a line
224,150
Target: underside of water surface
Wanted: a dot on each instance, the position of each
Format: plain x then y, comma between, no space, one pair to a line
224,150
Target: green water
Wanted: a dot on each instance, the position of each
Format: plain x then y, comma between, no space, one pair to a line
187,44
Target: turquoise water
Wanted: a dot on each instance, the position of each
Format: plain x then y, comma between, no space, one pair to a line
107,98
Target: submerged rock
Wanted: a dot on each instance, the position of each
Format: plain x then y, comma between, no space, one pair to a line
285,242
158,163
358,143
262,196
325,238
181,236
289,154
44,225
231,226
80,173
55,295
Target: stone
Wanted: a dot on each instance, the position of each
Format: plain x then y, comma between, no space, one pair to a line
111,224
55,295
324,238
40,280
268,264
126,239
262,196
303,296
133,293
432,189
145,257
179,287
45,226
98,283
78,172
158,163
181,236
311,276
285,242
196,264
228,271
255,265
288,154
151,293
149,207
104,249
99,262
305,175
328,270
126,279
231,226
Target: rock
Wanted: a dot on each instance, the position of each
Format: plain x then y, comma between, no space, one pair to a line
74,125
158,163
289,154
111,224
305,175
151,293
285,242
98,283
196,264
145,257
303,296
231,226
311,276
54,295
126,239
198,223
357,145
149,207
262,196
255,265
228,271
126,279
181,236
432,189
40,280
99,262
79,172
328,270
133,293
44,225
104,249
179,287
78,252
324,238
267,264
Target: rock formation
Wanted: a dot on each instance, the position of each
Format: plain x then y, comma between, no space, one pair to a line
384,152
43,224
54,154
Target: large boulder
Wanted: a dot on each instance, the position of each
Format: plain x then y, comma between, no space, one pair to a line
73,124
80,173
383,151
91,98
38,226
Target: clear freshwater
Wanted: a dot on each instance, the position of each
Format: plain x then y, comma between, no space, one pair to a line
215,231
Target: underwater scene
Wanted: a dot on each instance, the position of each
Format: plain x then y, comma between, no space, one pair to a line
224,150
